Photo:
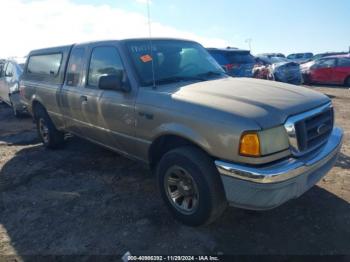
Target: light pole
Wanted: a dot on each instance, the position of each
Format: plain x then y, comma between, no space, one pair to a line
249,41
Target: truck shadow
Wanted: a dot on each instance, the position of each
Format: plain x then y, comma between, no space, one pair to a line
86,200
343,161
14,131
22,138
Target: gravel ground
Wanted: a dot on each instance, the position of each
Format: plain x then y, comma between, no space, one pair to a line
85,200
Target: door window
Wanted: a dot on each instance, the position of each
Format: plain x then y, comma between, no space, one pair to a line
104,61
75,66
9,70
344,62
326,63
2,70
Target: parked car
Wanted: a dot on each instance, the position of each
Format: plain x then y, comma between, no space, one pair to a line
212,139
2,63
278,69
328,70
272,55
236,62
318,56
9,86
300,57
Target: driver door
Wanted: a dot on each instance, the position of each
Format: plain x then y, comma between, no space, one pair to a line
109,115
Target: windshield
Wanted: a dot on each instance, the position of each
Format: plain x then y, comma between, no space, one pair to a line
172,61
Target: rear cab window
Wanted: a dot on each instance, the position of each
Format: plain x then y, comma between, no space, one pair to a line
47,65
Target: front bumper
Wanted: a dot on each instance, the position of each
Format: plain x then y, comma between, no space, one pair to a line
266,187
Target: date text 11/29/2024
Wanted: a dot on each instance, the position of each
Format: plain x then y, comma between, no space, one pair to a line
173,258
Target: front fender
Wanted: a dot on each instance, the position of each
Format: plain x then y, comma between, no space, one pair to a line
182,131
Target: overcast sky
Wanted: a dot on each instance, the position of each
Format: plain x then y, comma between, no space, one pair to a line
273,25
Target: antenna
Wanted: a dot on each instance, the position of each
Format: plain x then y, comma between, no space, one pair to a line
150,40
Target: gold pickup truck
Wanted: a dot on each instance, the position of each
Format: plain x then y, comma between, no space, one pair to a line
213,140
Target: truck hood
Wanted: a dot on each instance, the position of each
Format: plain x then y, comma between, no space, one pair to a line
268,103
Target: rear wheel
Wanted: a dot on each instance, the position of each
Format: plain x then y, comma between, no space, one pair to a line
49,135
191,186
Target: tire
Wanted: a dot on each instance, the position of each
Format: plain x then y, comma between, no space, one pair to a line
202,181
49,135
347,81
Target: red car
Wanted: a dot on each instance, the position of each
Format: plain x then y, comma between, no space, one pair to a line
328,70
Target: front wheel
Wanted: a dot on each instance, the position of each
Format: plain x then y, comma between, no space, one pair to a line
49,135
191,186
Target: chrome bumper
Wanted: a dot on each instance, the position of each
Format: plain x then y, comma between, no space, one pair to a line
287,169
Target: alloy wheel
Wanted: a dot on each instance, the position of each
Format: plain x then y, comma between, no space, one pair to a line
181,190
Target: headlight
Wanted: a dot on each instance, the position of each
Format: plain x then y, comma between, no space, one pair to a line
265,142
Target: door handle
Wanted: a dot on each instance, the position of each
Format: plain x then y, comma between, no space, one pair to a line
146,115
83,99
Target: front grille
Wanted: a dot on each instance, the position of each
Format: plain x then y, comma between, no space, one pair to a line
310,130
314,131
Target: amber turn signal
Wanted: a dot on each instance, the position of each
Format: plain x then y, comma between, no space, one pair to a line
250,145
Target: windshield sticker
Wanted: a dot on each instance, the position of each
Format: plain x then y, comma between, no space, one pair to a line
142,48
146,58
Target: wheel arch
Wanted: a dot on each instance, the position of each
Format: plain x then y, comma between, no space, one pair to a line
34,105
347,81
169,141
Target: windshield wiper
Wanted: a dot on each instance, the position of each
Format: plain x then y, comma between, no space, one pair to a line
175,79
211,73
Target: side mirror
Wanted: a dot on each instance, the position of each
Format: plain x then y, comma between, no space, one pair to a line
113,82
